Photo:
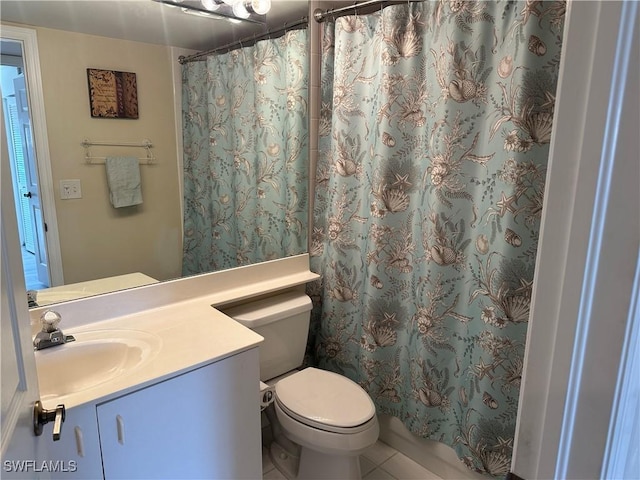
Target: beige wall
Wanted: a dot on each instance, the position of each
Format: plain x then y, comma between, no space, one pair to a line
97,240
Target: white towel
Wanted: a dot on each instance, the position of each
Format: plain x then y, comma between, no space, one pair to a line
123,178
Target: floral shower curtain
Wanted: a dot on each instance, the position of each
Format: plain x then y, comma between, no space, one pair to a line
435,129
246,155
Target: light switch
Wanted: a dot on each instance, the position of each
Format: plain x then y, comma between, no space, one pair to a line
70,189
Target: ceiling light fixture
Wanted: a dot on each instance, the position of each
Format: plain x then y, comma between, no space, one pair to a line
211,5
240,11
246,8
235,11
261,7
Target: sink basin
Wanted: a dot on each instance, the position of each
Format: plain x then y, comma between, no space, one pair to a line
95,357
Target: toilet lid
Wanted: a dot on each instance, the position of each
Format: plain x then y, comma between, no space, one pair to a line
325,398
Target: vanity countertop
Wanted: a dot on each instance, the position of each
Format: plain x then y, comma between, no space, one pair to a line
181,317
216,288
73,291
189,335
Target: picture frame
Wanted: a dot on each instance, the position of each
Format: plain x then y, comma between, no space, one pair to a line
112,94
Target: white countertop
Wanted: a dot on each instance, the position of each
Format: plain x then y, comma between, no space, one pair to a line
191,334
216,288
181,314
74,291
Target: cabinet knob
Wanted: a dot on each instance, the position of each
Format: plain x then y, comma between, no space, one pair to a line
42,416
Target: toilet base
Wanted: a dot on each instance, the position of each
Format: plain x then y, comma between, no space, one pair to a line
320,466
284,460
312,465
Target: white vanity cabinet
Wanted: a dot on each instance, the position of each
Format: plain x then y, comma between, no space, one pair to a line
76,455
204,423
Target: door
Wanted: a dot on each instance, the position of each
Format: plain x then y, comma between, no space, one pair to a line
22,452
17,167
38,227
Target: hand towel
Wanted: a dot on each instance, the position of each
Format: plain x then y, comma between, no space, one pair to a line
123,178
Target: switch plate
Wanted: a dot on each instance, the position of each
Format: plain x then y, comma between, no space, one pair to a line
70,189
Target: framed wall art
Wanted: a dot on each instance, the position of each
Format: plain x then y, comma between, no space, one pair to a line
112,94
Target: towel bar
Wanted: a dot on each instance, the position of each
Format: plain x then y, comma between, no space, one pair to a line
93,160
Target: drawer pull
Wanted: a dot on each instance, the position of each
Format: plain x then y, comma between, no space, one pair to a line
79,441
120,428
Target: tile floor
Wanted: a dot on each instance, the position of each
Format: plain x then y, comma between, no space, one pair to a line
379,462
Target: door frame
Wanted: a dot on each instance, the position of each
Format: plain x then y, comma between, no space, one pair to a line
33,77
557,433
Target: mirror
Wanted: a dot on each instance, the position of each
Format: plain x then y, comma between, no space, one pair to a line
97,242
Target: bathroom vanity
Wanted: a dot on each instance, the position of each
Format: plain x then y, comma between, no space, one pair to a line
165,393
160,383
188,426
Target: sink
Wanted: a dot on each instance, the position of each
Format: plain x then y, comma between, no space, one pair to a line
94,358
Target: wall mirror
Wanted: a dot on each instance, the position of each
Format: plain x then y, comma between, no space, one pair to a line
95,245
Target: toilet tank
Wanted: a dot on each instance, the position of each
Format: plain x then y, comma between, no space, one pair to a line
283,322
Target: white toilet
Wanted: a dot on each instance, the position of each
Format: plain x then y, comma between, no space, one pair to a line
326,420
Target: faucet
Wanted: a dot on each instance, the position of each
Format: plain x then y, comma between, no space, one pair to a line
51,335
32,298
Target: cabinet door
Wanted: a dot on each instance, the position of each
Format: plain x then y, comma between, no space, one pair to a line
202,424
77,453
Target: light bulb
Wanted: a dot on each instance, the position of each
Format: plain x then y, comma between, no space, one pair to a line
240,11
210,5
261,7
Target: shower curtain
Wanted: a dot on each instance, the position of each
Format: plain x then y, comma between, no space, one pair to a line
434,137
246,155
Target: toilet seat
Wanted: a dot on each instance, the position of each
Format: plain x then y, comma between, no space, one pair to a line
326,401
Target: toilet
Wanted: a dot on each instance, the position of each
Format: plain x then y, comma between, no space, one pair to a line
321,421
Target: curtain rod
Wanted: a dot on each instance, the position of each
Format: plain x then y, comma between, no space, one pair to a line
197,57
321,16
